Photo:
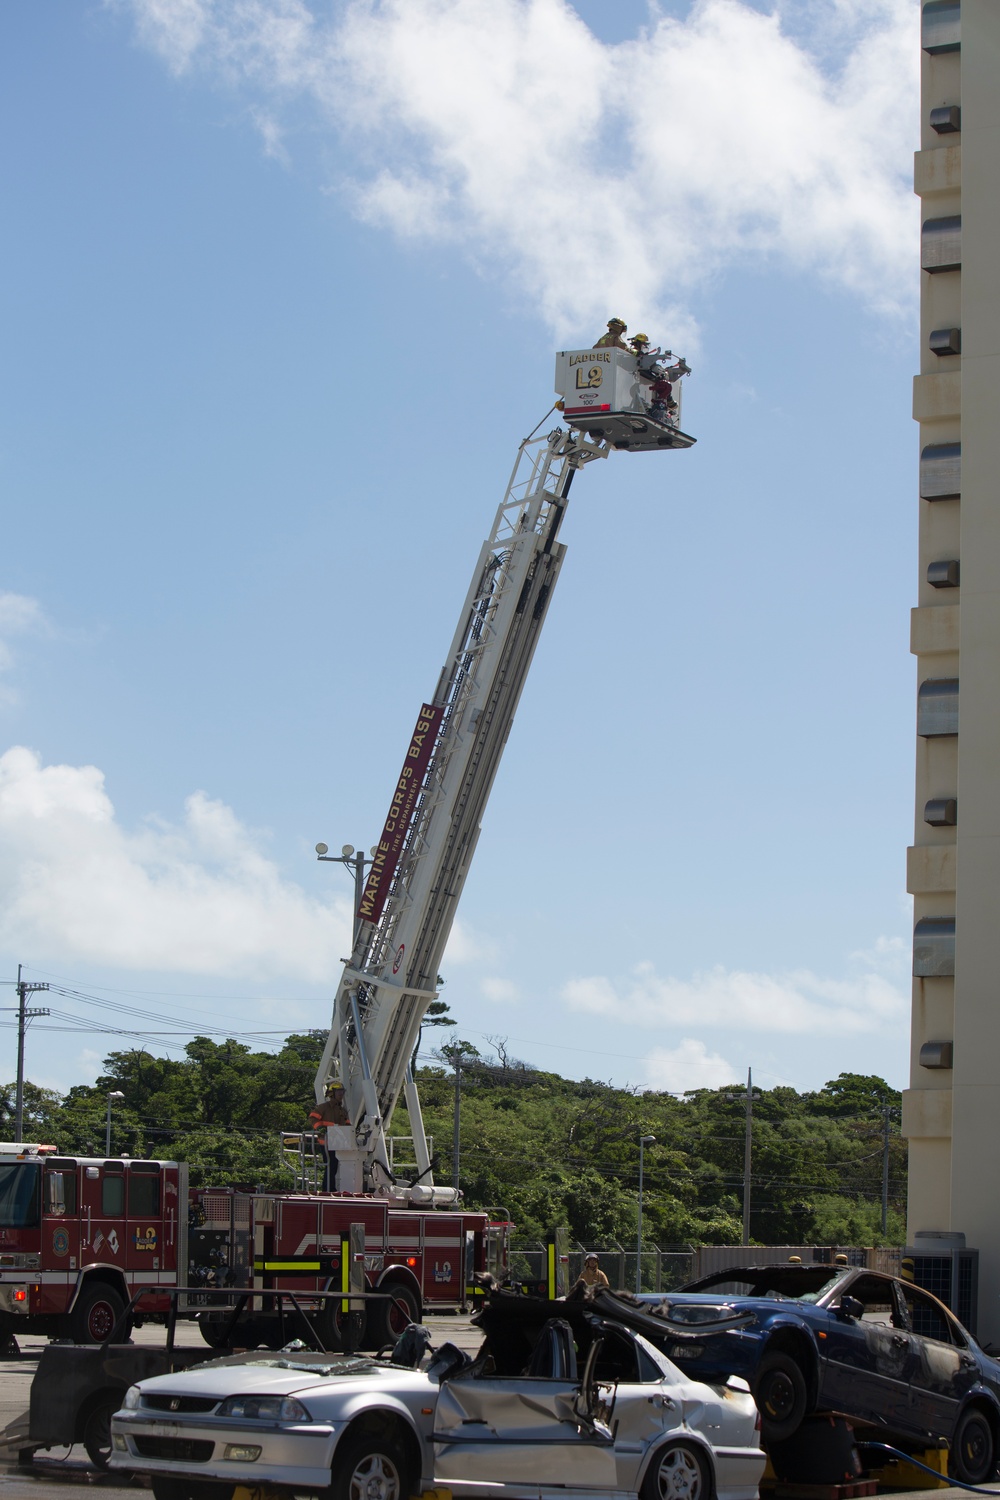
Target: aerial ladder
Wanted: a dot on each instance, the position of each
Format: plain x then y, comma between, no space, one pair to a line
611,398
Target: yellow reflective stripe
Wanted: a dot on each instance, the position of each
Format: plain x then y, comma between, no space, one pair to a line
286,1265
345,1270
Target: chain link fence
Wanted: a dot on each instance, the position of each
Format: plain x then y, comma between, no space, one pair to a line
664,1270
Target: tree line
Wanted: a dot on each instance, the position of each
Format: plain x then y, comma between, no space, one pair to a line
545,1149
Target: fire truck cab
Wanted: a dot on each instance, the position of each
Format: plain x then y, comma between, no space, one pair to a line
77,1234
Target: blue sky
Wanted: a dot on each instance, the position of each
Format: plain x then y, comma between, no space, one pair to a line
281,292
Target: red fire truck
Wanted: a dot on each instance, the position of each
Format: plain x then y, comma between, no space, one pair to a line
78,1235
295,1242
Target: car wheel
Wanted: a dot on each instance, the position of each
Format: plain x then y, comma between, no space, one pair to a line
97,1310
973,1451
781,1396
97,1429
387,1320
189,1489
369,1468
677,1473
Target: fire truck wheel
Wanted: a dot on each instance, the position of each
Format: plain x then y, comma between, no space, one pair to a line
340,1330
213,1330
387,1320
97,1309
369,1468
97,1428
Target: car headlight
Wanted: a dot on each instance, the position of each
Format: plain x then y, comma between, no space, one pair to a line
133,1397
264,1409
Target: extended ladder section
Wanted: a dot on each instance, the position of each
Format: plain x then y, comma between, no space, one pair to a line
612,399
406,915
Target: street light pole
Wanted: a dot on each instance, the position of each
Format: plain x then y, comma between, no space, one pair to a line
644,1140
115,1094
349,857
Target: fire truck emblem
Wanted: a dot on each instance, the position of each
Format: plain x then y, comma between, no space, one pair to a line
145,1239
442,1273
113,1241
60,1242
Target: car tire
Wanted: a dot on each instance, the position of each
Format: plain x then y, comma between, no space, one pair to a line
973,1449
97,1428
165,1488
677,1472
387,1320
369,1468
781,1396
97,1310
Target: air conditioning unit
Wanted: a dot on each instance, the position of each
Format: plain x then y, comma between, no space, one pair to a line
942,1265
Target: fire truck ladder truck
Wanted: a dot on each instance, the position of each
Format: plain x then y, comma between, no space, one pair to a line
420,865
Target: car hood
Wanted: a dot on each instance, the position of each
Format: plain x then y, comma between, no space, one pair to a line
655,1320
282,1377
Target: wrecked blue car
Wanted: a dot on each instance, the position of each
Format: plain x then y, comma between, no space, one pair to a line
830,1338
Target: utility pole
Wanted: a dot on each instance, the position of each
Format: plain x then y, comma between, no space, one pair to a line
644,1141
748,1102
747,1151
885,1168
24,1015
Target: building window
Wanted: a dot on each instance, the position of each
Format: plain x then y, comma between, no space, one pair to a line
945,341
944,573
940,26
934,948
946,119
941,471
941,812
937,1055
941,244
937,707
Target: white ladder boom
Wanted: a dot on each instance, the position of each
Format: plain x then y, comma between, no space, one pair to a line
392,974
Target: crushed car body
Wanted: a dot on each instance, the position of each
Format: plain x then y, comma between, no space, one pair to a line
831,1338
559,1398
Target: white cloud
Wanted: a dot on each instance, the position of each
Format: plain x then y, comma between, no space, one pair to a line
20,615
467,946
195,897
687,1066
500,991
796,1003
598,177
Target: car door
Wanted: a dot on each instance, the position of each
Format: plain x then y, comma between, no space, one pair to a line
867,1359
523,1429
942,1368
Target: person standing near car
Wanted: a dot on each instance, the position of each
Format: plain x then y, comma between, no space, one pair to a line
591,1275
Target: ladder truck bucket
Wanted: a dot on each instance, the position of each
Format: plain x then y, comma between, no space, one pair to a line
606,394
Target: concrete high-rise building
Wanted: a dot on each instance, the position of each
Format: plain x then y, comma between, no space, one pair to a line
951,1112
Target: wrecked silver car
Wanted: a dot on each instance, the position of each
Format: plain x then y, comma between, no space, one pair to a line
557,1399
